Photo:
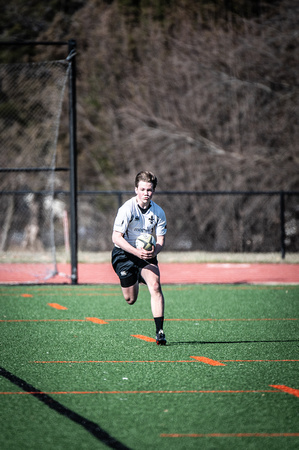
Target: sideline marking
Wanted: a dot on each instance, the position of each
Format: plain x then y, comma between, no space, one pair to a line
143,338
56,306
108,362
286,389
204,320
195,435
209,361
148,392
95,320
260,360
197,358
42,320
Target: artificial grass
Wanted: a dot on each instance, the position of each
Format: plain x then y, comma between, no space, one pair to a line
138,392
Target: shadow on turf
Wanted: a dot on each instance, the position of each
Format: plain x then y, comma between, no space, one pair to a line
228,342
89,426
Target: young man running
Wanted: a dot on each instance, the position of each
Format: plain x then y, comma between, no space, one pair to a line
140,215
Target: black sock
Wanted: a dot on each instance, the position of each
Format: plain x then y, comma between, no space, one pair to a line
159,323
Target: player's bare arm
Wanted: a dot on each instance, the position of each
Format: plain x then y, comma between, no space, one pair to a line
160,242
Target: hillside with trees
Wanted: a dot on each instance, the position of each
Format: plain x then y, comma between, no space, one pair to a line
205,94
201,95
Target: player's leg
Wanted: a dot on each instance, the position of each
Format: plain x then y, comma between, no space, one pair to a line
130,293
151,275
128,275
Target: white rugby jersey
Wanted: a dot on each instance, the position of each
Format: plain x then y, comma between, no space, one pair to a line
131,221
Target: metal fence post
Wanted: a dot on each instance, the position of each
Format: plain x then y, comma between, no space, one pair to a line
73,162
282,224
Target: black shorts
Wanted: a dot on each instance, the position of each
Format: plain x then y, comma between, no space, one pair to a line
128,267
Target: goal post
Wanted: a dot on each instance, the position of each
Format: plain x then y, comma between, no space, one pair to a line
32,213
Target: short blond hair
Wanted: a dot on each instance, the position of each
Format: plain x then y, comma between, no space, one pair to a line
147,176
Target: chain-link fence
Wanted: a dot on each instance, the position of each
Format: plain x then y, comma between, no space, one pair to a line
204,221
245,222
35,207
30,108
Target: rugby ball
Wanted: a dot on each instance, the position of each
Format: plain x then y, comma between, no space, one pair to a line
145,241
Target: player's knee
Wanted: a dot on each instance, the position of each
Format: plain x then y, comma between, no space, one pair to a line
130,300
156,287
130,294
130,297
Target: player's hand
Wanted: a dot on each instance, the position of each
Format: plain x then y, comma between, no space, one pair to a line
146,254
152,253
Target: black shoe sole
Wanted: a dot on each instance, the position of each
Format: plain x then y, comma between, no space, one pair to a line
161,342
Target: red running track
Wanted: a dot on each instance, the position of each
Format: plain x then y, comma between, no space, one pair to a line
171,273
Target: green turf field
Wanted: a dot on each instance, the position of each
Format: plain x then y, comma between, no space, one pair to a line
76,378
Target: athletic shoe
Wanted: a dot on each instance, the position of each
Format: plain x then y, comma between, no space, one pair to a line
160,338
